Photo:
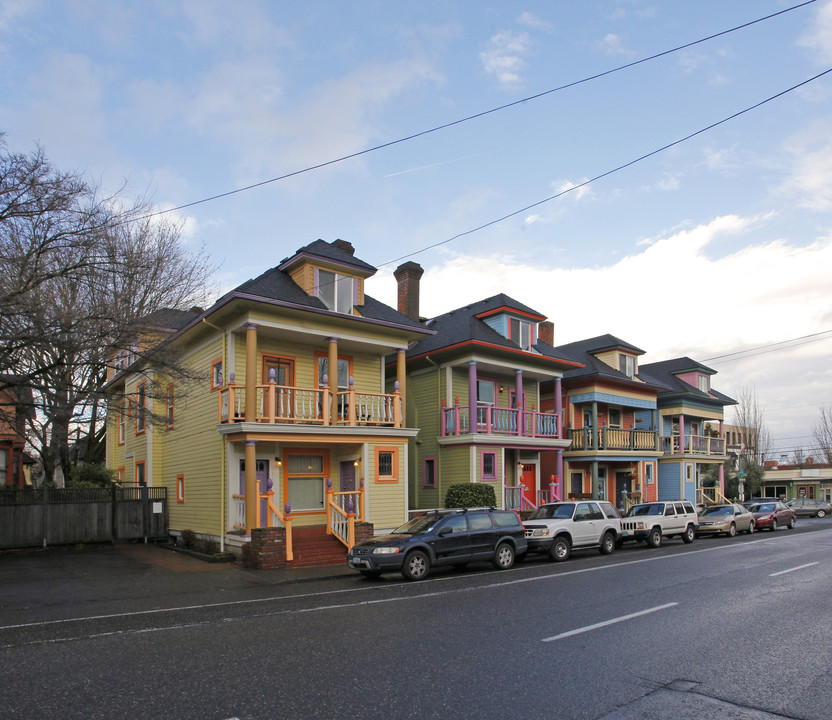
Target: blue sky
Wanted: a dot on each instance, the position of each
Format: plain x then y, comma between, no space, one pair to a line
716,245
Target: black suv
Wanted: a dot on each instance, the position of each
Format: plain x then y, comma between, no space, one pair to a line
443,537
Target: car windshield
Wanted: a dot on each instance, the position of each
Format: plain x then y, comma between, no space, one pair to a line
764,507
723,510
557,511
648,509
418,525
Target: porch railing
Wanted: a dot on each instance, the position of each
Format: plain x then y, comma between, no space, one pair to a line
456,420
604,438
343,509
516,500
279,404
710,496
692,445
237,509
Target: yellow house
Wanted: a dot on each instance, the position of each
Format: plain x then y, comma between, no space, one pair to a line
284,422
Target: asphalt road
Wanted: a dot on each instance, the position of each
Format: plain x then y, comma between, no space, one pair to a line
722,628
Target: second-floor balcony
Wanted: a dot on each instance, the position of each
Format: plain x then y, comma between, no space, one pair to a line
692,445
607,438
490,420
281,404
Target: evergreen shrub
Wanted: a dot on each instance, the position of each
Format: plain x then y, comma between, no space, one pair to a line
462,495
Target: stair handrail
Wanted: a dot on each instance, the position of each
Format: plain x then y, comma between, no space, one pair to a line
340,522
285,519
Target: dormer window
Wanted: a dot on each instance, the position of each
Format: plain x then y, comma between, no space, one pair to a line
704,383
627,365
522,332
336,291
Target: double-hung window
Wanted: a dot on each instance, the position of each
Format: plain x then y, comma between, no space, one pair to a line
336,291
521,332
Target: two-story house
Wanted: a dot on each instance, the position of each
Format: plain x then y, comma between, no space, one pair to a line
286,407
474,392
16,405
687,405
611,420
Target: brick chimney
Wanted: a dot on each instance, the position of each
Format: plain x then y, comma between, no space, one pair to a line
546,332
343,245
407,276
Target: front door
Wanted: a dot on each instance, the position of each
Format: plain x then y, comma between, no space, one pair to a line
528,479
262,485
347,475
622,487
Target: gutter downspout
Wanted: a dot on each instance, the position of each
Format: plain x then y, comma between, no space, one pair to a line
223,455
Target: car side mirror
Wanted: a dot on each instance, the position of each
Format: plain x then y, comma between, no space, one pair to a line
445,531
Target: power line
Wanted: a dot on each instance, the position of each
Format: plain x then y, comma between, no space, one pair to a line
770,347
608,172
476,116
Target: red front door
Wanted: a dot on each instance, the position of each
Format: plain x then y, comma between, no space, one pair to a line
529,480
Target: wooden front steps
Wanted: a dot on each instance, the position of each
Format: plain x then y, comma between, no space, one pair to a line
312,547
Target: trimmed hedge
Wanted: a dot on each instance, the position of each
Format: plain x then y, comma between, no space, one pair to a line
461,495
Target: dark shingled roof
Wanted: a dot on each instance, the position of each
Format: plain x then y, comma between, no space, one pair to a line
584,351
329,251
664,374
168,319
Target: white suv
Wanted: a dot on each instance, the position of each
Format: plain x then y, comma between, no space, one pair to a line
557,528
654,521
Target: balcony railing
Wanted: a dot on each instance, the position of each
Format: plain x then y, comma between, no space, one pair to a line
692,445
281,404
489,420
603,438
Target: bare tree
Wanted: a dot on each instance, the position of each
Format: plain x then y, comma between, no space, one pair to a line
78,274
749,416
822,435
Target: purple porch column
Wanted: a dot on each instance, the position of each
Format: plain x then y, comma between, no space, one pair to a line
472,395
559,413
518,400
681,433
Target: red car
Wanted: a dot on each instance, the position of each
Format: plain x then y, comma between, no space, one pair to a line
772,515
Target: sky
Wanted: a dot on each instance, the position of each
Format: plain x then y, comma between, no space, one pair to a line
716,245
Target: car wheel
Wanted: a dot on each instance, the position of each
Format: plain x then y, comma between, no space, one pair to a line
773,525
689,534
821,513
371,573
607,543
416,565
732,531
792,523
503,556
751,528
654,539
561,548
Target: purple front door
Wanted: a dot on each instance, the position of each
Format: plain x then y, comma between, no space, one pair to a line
347,470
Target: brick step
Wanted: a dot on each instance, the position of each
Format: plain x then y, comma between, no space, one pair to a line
312,547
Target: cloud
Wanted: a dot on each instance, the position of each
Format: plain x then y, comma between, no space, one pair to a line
503,58
818,38
810,180
533,21
612,44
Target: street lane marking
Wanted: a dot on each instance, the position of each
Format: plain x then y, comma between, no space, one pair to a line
430,581
799,567
588,628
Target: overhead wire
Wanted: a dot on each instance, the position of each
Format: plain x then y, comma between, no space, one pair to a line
477,115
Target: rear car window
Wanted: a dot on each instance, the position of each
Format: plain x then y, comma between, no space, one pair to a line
479,521
505,519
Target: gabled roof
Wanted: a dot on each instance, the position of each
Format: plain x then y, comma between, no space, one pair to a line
664,374
585,351
466,326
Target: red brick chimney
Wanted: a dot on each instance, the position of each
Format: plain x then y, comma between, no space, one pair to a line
407,276
546,332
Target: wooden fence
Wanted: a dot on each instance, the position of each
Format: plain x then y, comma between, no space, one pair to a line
44,516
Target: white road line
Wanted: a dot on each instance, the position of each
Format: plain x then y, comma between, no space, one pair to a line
587,628
378,588
799,567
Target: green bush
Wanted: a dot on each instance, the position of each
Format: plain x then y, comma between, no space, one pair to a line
462,495
89,475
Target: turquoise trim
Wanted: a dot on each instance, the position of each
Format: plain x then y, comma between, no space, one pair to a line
612,400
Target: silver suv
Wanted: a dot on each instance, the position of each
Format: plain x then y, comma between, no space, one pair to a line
557,528
654,521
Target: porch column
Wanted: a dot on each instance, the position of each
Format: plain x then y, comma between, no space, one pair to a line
722,479
656,428
682,434
559,413
401,369
251,373
594,442
472,396
559,470
332,372
252,499
518,400
595,493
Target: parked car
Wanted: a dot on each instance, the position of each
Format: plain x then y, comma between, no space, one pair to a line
654,521
772,515
758,500
810,508
443,537
727,518
558,528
